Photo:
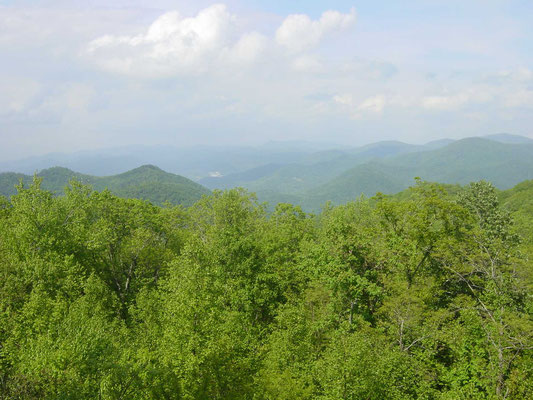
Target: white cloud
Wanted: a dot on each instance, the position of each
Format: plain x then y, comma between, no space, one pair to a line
430,98
176,45
307,63
344,99
475,95
370,106
445,102
298,32
374,104
247,50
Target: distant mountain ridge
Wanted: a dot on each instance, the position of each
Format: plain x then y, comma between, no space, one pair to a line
508,138
389,167
311,176
460,162
146,182
194,162
200,162
314,169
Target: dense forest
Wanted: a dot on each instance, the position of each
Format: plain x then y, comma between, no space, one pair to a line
421,295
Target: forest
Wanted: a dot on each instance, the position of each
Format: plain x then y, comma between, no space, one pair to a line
421,295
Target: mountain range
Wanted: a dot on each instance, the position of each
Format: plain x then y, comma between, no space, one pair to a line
299,173
387,167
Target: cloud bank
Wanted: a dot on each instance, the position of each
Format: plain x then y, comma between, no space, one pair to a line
175,45
298,32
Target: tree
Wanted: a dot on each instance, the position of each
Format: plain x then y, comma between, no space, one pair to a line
486,270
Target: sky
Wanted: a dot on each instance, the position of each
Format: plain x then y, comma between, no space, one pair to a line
89,74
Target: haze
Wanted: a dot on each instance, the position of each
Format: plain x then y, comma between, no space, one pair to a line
82,75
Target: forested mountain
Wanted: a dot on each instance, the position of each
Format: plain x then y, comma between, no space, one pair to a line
311,171
297,173
421,295
389,168
460,162
147,182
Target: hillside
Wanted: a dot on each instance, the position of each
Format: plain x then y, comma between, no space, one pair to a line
315,169
470,160
459,162
341,175
519,202
146,182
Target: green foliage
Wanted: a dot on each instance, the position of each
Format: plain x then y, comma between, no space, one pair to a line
423,295
146,182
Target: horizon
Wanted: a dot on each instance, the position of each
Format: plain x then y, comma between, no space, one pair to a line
78,76
325,146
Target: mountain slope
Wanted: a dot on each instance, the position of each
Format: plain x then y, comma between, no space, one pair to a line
311,171
147,182
508,138
239,178
470,160
460,162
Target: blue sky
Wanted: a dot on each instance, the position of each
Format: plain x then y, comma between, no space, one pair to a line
87,74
